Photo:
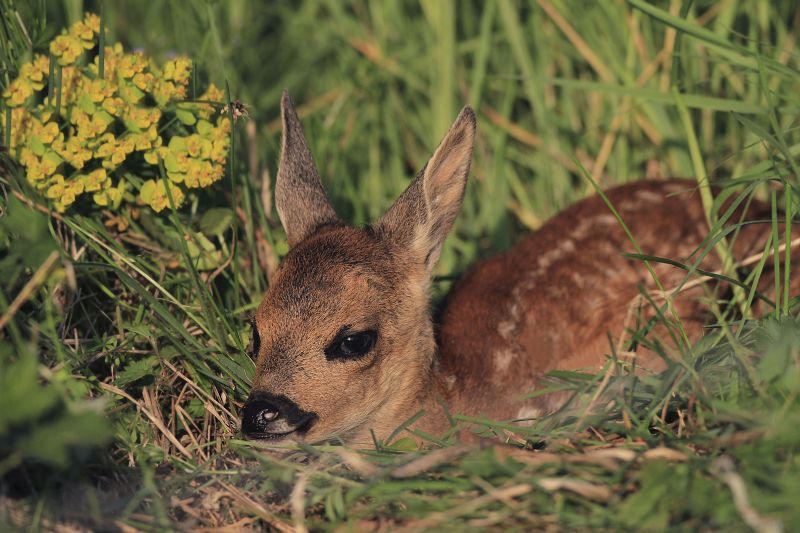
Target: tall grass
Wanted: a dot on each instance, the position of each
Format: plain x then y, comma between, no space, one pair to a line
568,93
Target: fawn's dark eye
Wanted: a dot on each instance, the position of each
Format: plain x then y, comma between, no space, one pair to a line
351,345
254,346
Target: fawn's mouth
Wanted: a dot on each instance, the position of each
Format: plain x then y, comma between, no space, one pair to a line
273,417
282,431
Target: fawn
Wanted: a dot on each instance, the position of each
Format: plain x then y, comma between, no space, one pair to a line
344,341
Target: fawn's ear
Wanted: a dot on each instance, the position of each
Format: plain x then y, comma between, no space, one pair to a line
300,198
424,214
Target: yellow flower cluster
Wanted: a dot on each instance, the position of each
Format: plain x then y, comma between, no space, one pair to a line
109,133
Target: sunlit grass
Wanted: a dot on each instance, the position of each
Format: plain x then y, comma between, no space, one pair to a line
621,92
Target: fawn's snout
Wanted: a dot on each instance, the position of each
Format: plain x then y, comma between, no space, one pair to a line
269,416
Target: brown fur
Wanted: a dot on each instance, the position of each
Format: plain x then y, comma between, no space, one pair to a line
548,303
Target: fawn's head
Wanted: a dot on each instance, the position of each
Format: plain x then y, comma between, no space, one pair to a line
343,340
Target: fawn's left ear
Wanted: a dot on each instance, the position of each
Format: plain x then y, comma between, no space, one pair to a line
300,198
424,214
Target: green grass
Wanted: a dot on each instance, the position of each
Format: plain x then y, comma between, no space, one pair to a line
567,93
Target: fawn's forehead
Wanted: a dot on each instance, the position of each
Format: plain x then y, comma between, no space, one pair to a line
334,266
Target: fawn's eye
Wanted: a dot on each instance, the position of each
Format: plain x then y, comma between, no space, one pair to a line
254,346
351,345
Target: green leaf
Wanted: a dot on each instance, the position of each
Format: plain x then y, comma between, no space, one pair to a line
404,444
21,397
52,442
36,146
203,253
85,104
177,144
137,370
147,191
204,127
185,116
216,220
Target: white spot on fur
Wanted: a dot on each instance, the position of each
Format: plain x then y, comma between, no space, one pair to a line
450,381
649,196
605,219
503,359
505,328
555,254
588,225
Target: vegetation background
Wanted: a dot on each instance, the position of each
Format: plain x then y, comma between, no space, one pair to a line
123,363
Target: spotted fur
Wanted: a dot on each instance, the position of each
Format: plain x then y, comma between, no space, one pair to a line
551,302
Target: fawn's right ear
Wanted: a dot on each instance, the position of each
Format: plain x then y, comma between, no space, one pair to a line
424,214
300,198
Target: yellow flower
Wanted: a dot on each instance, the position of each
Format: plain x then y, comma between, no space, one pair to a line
216,172
196,146
50,162
66,48
183,161
127,145
202,174
142,143
105,145
130,93
115,196
35,77
74,152
75,187
104,120
49,132
98,90
151,156
212,94
143,80
223,128
219,151
141,118
92,22
154,194
41,63
101,198
114,106
34,172
194,169
115,152
131,64
164,91
28,158
91,128
17,92
178,70
113,54
95,180
55,187
82,31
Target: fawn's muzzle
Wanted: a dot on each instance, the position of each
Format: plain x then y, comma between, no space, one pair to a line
269,416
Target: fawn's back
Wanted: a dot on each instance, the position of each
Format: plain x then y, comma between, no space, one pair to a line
564,296
344,343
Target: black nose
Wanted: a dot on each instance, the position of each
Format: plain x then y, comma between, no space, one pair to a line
258,415
269,415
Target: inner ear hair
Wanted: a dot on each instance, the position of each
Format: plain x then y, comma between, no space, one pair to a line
424,214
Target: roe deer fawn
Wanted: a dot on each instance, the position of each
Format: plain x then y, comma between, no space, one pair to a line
344,341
